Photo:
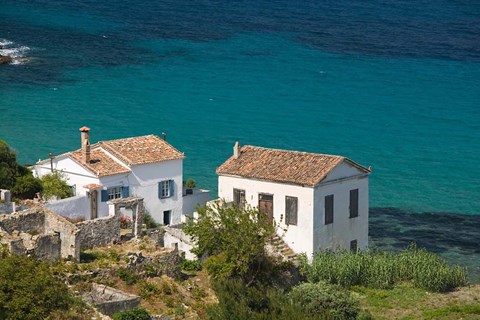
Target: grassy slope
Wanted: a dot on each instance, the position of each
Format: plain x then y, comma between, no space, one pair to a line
405,302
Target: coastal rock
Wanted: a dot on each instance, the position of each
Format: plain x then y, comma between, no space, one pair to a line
5,59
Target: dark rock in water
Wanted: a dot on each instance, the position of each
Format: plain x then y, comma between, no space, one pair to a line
5,59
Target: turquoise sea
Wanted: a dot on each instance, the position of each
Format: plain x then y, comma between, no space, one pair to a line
391,84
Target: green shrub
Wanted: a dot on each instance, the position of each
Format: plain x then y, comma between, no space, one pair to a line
128,275
148,289
26,187
190,265
55,185
148,220
29,291
381,270
134,314
325,299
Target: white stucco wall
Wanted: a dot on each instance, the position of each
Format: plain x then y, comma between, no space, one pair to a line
192,201
299,237
143,182
73,207
75,173
344,229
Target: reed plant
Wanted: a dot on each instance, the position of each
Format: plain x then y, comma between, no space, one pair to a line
382,269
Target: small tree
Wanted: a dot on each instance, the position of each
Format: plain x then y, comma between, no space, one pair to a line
26,187
55,185
10,170
233,239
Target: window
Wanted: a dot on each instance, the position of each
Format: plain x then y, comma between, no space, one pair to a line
166,217
329,209
354,203
165,189
291,209
115,193
353,246
74,189
239,197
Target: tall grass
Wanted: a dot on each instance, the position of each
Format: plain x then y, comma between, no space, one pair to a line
380,269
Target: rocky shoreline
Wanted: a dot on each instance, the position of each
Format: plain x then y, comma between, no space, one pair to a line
5,59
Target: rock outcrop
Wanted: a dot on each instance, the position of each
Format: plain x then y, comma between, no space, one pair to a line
5,59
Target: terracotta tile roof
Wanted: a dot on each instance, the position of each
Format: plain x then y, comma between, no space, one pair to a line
285,166
100,163
141,150
92,186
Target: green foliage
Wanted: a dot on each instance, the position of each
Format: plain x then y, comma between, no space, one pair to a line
190,183
148,289
234,240
9,168
325,299
240,302
190,265
149,222
134,314
127,275
55,185
378,269
26,187
29,291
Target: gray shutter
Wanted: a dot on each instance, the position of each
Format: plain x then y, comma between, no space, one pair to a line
354,203
104,196
291,209
125,192
172,187
160,190
329,209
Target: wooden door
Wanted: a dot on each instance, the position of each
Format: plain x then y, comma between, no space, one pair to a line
265,204
93,204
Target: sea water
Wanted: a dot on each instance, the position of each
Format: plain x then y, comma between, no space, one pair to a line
390,84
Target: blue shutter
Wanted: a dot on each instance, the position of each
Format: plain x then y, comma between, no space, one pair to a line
104,196
171,186
125,192
160,190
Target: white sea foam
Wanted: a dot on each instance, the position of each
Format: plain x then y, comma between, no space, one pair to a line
17,52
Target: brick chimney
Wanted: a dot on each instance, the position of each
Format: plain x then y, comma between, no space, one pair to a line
236,150
84,133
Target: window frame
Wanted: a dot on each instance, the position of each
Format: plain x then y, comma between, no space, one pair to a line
114,193
353,206
354,246
329,209
291,218
240,202
165,189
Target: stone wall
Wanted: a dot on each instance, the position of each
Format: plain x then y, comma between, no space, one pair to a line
6,208
47,247
70,245
30,221
98,232
110,300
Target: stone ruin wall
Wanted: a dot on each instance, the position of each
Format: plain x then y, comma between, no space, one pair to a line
98,232
29,221
70,246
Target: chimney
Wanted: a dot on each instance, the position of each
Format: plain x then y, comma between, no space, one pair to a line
236,150
85,144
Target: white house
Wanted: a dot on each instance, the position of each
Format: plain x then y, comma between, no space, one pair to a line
321,200
145,166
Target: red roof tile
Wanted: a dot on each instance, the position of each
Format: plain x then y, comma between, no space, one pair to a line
285,166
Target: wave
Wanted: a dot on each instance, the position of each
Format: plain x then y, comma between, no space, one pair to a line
17,52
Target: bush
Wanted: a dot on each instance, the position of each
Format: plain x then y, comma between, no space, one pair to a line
325,299
55,185
26,187
190,265
149,222
127,275
381,270
134,314
29,291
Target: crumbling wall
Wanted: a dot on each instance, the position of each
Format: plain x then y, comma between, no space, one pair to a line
174,236
110,300
29,221
98,232
70,245
46,247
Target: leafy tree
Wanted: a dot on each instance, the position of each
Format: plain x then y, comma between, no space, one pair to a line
55,185
233,239
10,170
26,187
29,291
